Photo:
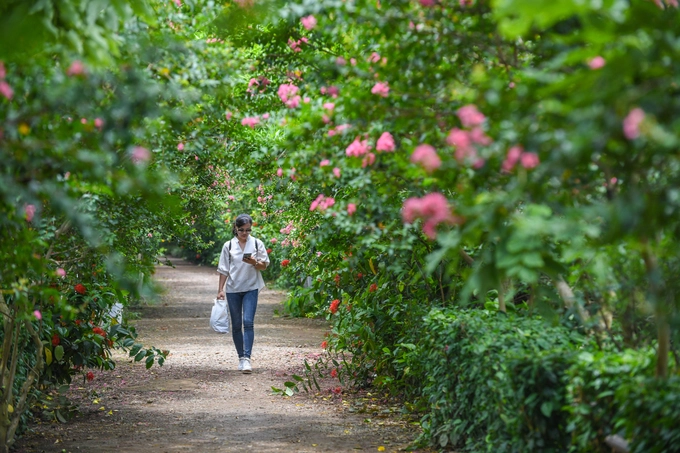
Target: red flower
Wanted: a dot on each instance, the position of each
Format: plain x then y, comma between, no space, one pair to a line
324,344
334,305
55,340
99,331
372,288
334,372
360,276
269,251
80,288
90,375
337,390
285,263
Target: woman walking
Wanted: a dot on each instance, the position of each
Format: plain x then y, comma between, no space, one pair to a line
241,262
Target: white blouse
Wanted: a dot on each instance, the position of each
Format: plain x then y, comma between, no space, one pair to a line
242,277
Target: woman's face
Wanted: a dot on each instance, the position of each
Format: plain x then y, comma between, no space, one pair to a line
244,230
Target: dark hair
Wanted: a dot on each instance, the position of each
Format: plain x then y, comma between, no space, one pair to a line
242,219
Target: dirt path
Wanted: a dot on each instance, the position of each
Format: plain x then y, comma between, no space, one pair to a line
198,402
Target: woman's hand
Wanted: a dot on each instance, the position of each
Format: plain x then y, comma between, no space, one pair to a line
250,260
221,295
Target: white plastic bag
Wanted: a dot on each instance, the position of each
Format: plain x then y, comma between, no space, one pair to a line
219,318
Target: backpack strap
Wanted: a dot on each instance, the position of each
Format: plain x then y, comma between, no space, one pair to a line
257,249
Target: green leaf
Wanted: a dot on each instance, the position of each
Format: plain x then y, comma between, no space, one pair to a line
546,408
135,349
59,353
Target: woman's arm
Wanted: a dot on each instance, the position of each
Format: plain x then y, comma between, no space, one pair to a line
220,289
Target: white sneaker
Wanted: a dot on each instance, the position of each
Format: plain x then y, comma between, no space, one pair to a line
247,369
240,364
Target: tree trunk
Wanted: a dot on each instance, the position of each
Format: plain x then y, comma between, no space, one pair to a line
664,338
569,299
663,330
501,297
8,326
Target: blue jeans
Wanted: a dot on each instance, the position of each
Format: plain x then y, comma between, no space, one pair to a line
242,312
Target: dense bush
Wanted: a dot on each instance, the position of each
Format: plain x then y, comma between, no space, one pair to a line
649,414
495,381
513,383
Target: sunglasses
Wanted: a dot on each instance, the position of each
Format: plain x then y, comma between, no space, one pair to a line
241,230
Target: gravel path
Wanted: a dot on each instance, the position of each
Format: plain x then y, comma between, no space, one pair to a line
199,402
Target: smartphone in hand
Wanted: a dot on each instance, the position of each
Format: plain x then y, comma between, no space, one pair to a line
247,255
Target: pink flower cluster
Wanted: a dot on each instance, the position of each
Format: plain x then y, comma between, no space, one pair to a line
351,209
29,211
288,94
433,208
5,89
596,63
338,129
464,140
369,159
295,45
309,22
332,91
517,154
287,229
381,89
139,155
385,143
427,157
631,123
77,68
250,121
357,148
322,203
257,82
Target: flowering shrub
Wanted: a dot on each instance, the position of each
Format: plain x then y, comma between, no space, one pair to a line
441,154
